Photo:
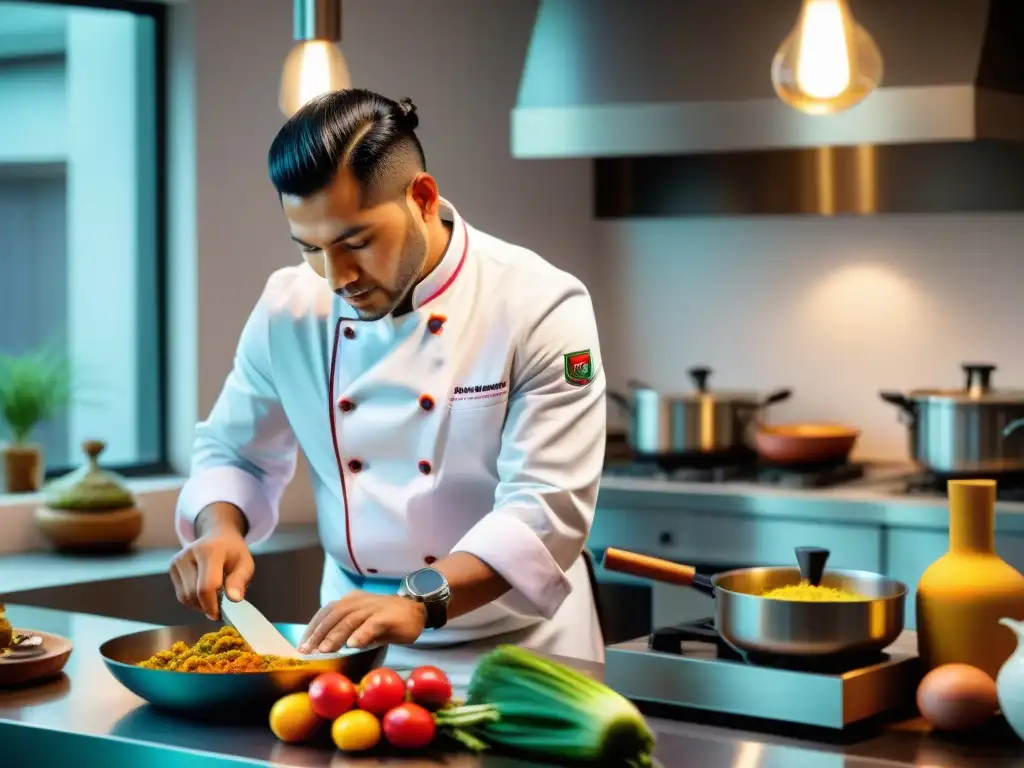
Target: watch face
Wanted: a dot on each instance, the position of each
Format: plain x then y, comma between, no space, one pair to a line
425,582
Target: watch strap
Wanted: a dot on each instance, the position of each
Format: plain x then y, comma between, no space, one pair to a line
437,613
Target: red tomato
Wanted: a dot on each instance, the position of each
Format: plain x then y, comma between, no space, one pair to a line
409,726
332,695
430,687
380,691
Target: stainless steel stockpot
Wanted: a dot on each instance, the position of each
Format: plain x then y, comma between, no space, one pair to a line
965,431
698,424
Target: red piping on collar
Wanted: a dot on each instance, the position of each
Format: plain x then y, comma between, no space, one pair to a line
337,448
458,267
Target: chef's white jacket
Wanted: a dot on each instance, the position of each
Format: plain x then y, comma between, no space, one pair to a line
474,423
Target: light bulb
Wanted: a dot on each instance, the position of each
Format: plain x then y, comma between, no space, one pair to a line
312,68
828,63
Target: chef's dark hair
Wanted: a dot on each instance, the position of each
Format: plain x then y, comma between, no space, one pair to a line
369,133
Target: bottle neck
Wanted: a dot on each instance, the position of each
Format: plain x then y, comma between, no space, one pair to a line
972,529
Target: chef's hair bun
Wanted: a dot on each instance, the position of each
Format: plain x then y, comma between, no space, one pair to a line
407,115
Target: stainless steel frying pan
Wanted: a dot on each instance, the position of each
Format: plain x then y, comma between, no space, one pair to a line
753,625
220,696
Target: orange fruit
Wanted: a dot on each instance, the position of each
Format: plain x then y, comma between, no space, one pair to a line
292,718
356,731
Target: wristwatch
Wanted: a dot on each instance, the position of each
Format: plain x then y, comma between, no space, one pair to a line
429,587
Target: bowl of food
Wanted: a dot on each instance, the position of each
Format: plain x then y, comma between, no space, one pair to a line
193,672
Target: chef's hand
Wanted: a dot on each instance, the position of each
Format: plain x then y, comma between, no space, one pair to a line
218,558
360,619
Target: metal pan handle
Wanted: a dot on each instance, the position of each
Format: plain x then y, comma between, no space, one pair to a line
656,569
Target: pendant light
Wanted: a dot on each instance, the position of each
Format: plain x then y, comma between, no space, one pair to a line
315,65
828,63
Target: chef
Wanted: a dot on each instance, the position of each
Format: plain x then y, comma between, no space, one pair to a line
446,388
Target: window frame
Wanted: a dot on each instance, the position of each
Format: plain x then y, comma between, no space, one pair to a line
158,12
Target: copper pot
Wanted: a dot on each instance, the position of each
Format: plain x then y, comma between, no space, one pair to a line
810,443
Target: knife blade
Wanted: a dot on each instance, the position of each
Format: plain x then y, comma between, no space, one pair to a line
255,628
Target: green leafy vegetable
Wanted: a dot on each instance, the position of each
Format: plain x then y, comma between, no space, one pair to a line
522,701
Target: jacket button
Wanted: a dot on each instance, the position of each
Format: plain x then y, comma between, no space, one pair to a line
355,465
350,332
426,402
429,559
346,405
425,467
435,323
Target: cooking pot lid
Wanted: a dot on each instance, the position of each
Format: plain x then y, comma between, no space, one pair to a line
702,393
696,397
994,396
977,389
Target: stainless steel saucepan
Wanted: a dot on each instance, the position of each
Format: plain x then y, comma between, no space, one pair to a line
968,431
757,626
692,426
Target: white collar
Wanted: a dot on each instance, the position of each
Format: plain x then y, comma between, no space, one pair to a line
447,269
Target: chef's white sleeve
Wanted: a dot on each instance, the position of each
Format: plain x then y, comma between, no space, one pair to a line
552,454
245,452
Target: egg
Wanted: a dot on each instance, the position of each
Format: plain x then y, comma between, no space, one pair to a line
957,697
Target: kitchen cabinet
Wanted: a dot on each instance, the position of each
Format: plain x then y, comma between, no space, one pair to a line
744,541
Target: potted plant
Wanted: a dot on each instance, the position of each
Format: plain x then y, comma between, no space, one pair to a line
33,389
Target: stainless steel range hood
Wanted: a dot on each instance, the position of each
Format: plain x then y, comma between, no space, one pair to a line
673,100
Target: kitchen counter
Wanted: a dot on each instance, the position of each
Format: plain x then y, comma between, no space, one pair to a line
86,718
876,499
42,569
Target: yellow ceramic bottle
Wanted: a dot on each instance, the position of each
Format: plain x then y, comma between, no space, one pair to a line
962,596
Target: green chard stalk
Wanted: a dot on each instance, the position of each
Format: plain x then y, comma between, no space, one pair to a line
525,702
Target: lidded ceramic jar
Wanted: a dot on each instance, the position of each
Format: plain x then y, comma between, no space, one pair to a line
90,508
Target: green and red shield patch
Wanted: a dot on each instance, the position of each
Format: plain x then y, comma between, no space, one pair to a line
579,368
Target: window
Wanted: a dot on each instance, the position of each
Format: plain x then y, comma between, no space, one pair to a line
81,219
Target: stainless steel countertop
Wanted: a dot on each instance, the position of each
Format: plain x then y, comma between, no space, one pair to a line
86,718
874,500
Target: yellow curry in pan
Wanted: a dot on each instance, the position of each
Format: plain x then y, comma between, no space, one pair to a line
805,592
220,651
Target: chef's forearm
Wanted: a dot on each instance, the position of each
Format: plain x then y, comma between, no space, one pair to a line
221,516
473,583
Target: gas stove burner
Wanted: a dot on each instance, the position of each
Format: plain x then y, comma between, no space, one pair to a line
679,640
721,474
810,475
679,471
1009,486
